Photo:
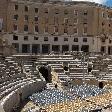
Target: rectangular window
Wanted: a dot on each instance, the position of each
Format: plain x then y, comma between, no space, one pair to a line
26,28
16,17
65,11
16,7
46,10
36,10
103,14
75,30
84,39
56,29
45,38
85,12
15,27
85,30
65,39
36,38
65,20
110,41
75,39
56,11
103,49
75,20
65,30
15,37
36,28
103,40
75,47
26,17
36,18
55,38
26,8
84,21
25,38
75,12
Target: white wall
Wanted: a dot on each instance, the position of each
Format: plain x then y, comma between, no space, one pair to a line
50,41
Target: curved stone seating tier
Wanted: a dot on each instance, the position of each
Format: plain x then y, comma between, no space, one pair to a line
5,90
20,92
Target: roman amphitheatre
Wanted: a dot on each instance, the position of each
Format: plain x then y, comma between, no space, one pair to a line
68,82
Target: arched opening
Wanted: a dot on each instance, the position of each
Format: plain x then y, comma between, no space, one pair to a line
89,69
65,68
45,73
101,85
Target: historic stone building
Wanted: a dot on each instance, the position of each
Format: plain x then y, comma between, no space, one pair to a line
42,26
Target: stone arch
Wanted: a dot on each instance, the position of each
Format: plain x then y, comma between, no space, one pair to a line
101,85
46,73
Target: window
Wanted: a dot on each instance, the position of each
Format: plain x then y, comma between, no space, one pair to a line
103,40
103,49
26,8
26,17
16,17
65,30
45,38
56,29
36,18
85,30
56,11
36,28
46,10
15,27
84,39
25,38
26,28
36,10
85,12
75,20
75,47
103,14
55,48
15,37
84,21
85,48
75,12
36,38
65,20
75,39
65,11
16,7
75,30
55,38
65,39
110,41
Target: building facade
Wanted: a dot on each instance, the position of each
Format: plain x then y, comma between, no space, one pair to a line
44,26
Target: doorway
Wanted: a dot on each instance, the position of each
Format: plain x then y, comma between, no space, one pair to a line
45,73
101,85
